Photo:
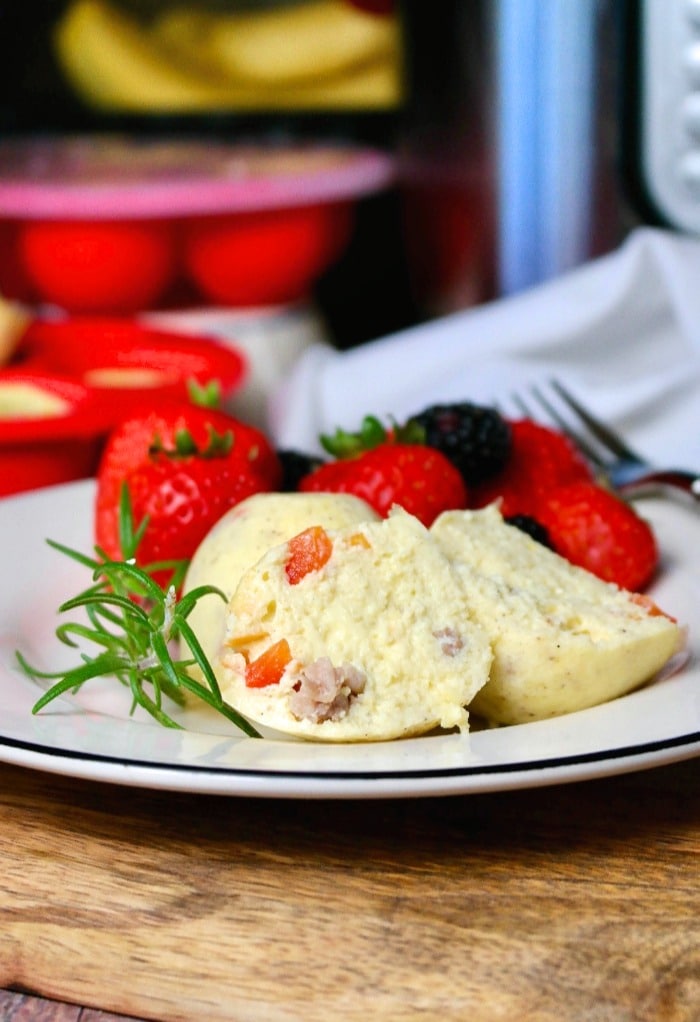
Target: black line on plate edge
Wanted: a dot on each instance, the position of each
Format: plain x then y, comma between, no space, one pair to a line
466,771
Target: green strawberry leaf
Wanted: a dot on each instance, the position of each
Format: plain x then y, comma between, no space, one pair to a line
372,433
343,444
204,395
218,445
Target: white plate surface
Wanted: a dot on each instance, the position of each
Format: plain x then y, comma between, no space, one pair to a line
93,736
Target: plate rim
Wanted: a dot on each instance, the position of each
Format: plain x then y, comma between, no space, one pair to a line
419,780
275,783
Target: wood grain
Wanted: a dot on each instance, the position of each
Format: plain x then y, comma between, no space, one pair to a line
575,903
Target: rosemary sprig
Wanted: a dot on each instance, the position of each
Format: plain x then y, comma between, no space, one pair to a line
134,622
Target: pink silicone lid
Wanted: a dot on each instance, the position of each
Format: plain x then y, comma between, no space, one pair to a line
114,177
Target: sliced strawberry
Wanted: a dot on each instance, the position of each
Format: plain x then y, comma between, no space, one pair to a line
308,551
596,530
541,459
269,666
418,478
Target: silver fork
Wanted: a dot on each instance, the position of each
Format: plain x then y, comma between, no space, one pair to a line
625,470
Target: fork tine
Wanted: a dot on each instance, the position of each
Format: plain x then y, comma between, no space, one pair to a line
601,432
558,420
618,465
522,407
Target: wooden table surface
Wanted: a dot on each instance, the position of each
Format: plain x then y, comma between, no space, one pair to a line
579,902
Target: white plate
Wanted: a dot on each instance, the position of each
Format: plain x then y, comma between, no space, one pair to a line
93,736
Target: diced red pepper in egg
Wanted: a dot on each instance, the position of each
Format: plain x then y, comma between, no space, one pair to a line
308,551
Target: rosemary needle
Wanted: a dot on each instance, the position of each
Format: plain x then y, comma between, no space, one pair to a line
134,622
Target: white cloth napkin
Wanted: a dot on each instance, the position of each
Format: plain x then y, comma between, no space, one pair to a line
623,331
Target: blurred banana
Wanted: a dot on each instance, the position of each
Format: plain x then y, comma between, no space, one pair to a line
286,46
185,32
371,86
373,82
112,62
325,54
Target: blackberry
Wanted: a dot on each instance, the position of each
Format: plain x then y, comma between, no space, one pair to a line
533,528
296,465
476,439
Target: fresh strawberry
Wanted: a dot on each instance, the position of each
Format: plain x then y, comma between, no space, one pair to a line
184,468
595,529
183,500
418,478
541,459
130,444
